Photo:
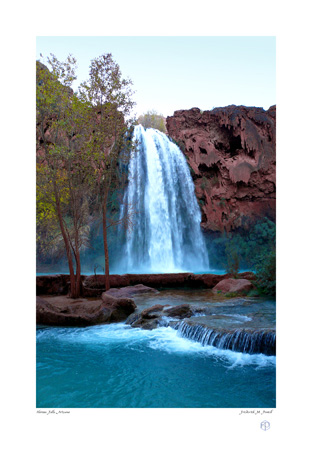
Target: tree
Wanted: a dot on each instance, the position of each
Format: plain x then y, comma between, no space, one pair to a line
152,119
63,171
109,97
233,258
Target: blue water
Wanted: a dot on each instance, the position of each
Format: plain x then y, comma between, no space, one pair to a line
53,271
119,366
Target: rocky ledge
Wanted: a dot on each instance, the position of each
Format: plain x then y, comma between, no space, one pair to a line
93,286
202,325
114,306
239,340
198,323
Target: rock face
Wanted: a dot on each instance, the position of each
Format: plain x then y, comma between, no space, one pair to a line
233,286
231,152
82,312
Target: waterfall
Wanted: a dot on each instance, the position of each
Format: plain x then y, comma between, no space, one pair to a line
239,340
166,234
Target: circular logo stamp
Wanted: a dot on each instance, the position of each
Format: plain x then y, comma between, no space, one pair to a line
265,425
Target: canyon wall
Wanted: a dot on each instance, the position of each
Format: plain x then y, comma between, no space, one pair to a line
231,153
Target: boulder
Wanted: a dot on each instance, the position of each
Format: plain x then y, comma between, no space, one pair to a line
157,315
133,317
62,311
153,312
233,286
120,308
146,324
127,292
182,311
149,318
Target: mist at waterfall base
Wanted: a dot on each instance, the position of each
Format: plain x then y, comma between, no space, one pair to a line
117,365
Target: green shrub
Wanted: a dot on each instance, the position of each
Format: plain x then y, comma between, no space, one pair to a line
233,258
243,249
231,294
253,293
266,274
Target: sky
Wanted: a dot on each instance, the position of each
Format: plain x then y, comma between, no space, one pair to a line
175,72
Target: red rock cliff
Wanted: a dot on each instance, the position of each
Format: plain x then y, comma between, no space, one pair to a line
231,152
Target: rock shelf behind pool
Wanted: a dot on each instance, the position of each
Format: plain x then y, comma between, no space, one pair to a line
94,286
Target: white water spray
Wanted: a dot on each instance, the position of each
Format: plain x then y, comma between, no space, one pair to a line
166,235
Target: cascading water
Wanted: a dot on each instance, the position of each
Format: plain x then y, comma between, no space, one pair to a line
166,234
240,340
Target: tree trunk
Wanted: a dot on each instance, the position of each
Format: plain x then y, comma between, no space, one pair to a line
73,288
78,266
107,285
77,292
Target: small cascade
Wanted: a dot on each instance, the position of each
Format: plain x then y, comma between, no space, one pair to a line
166,236
239,340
